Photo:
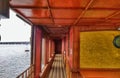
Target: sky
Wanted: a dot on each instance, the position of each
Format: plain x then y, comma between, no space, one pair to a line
14,29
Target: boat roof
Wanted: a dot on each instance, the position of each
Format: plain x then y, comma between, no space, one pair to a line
57,16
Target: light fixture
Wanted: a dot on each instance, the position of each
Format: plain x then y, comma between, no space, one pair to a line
118,28
59,25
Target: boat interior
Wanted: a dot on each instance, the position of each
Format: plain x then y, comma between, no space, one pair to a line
72,38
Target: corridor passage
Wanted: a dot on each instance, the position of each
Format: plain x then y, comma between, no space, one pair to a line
57,70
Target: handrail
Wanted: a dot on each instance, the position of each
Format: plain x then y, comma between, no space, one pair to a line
28,73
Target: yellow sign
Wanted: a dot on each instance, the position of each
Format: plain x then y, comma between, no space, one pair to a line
98,51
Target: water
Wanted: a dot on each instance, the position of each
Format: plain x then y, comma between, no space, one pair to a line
13,60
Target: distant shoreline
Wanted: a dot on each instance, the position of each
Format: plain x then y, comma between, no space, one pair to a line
15,43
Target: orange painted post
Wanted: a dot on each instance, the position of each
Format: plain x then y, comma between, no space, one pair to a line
63,41
71,47
50,48
76,48
38,39
66,46
63,48
74,52
47,51
53,47
64,53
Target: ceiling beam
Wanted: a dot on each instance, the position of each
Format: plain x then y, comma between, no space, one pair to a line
46,29
95,25
56,33
113,14
73,18
27,7
38,17
62,8
83,12
49,18
66,24
23,17
108,18
51,15
99,18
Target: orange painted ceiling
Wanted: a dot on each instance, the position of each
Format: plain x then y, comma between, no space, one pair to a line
56,16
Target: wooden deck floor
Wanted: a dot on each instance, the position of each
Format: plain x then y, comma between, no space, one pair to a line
57,70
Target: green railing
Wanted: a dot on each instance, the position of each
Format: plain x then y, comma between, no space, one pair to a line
28,73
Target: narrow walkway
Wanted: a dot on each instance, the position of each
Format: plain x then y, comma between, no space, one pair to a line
57,70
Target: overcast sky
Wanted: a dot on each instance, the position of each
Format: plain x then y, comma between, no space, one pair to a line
14,29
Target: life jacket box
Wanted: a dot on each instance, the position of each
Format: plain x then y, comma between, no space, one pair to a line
4,9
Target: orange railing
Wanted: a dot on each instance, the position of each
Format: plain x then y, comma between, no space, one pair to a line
28,73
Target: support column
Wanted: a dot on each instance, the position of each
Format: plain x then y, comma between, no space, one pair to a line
53,48
75,52
49,48
76,48
37,54
47,51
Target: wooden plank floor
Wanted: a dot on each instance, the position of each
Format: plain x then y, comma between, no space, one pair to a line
57,70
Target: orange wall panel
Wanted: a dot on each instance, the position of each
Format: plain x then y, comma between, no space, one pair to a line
100,73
